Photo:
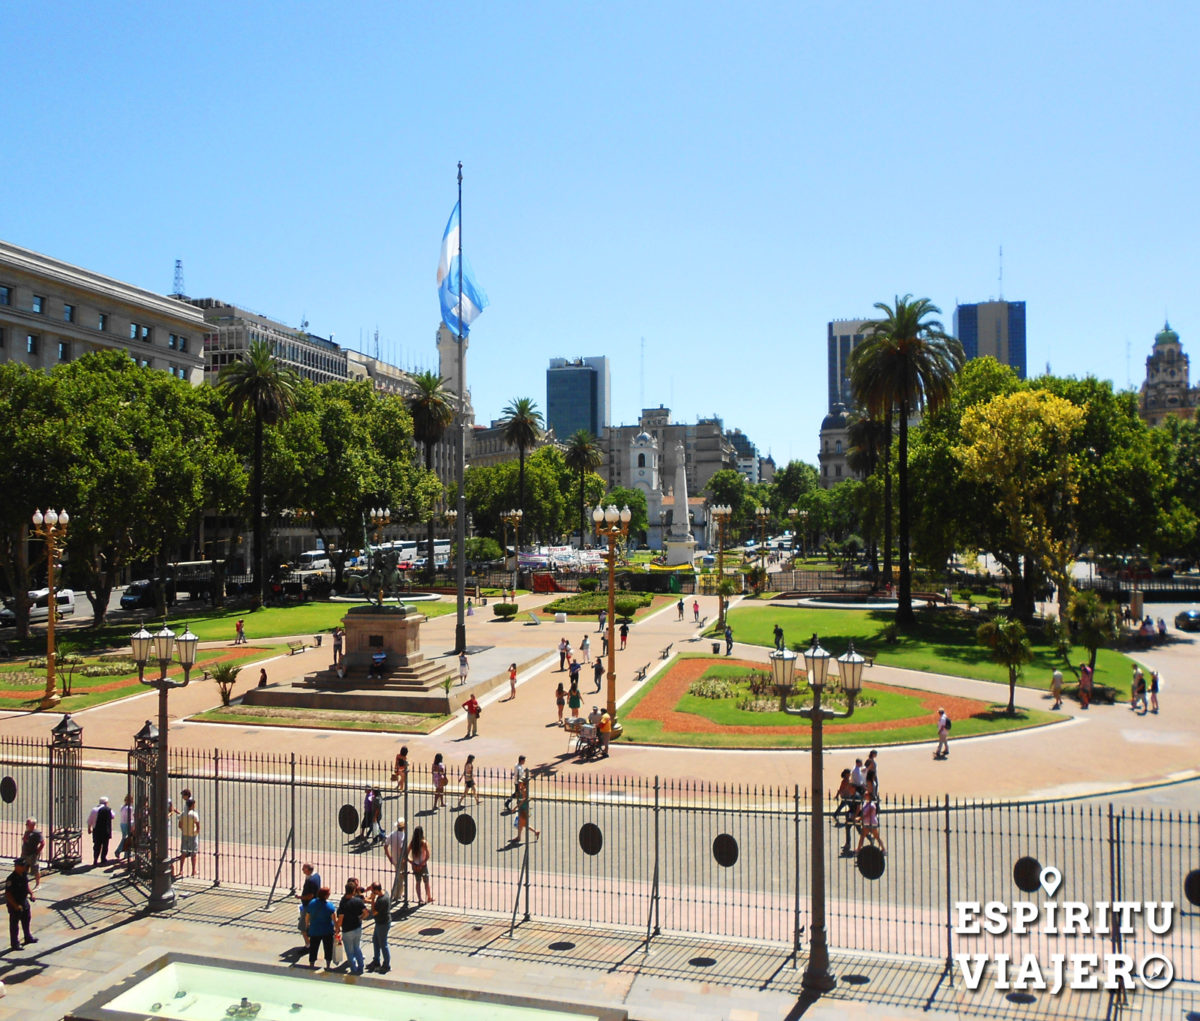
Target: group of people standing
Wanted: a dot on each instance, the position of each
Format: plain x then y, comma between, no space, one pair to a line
858,802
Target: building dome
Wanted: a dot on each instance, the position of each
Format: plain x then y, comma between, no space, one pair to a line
1166,336
643,438
836,419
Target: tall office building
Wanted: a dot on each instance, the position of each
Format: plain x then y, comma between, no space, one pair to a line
578,396
844,335
995,328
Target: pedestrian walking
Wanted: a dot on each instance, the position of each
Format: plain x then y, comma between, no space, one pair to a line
574,701
1085,685
377,832
464,667
849,801
439,781
520,774
308,892
19,897
125,847
943,732
778,633
239,632
585,649
573,673
368,814
99,824
870,824
624,634
32,843
679,607
320,927
512,681
471,705
728,639
348,925
523,814
338,635
468,776
560,700
604,644
1134,684
598,673
380,907
1056,684
189,829
696,611
395,849
872,765
602,618
400,769
262,677
1155,685
564,647
604,732
418,857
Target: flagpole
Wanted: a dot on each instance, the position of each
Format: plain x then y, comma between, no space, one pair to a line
460,630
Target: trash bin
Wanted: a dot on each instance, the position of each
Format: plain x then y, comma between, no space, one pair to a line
317,640
716,646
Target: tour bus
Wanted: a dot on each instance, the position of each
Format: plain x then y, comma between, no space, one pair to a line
441,550
313,560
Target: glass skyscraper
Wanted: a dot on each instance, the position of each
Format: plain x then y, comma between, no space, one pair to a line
995,328
577,396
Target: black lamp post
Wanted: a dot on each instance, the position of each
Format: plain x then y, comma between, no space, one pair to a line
613,525
817,976
162,890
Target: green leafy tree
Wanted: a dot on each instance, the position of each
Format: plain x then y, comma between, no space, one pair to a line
791,484
635,500
495,489
1010,648
523,428
728,487
432,413
583,455
258,388
1095,624
906,363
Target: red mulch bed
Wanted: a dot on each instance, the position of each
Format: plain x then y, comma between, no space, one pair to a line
659,704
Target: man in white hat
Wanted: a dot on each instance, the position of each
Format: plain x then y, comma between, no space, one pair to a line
396,849
100,825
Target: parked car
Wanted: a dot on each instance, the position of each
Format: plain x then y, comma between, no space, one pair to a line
139,595
1188,620
39,606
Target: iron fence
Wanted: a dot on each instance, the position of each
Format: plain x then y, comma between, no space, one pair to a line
666,856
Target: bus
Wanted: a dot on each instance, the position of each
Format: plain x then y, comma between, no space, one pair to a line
441,550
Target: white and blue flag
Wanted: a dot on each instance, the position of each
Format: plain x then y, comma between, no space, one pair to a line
474,300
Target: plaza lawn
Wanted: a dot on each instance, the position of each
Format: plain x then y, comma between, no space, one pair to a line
944,643
278,621
868,725
330,719
18,690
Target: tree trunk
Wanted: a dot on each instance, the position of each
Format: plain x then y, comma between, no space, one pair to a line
887,501
1012,691
430,559
260,556
904,612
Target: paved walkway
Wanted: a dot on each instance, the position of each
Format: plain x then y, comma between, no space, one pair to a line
1106,748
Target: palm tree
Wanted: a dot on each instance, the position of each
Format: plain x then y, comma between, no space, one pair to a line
869,441
257,385
523,427
905,363
583,455
432,414
1010,648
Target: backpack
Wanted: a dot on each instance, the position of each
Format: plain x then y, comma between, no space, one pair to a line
949,724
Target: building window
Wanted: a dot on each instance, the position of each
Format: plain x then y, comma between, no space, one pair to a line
641,460
102,321
5,295
68,313
837,470
64,351
140,330
2,338
31,343
837,447
39,304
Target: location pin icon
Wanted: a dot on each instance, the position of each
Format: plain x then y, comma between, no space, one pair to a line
1050,879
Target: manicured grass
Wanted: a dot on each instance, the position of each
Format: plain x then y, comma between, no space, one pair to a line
325,719
944,643
92,691
862,728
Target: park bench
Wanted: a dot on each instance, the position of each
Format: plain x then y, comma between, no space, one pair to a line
666,652
868,656
533,619
296,646
640,673
703,621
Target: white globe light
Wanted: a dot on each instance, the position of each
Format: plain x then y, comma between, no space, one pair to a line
626,515
64,519
51,518
37,518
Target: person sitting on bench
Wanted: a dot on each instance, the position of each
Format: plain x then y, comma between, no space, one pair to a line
378,662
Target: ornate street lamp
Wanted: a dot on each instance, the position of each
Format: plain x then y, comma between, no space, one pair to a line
162,890
720,514
817,976
51,527
763,515
613,525
512,519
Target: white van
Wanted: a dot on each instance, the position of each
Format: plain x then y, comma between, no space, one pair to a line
39,606
313,560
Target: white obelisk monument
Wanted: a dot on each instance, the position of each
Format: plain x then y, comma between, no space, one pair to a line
679,543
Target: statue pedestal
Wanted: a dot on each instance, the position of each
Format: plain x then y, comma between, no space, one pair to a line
680,551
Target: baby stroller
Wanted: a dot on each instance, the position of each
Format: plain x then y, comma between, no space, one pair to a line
587,744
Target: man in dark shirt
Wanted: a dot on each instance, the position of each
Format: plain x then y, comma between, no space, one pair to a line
312,884
31,849
349,925
381,911
17,895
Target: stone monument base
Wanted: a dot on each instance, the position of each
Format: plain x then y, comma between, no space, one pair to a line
680,552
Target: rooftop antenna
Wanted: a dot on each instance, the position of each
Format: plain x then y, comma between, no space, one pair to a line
376,343
178,278
1001,272
304,321
1128,374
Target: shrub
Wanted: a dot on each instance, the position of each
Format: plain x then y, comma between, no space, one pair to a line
111,668
963,595
591,603
992,592
712,687
505,611
589,584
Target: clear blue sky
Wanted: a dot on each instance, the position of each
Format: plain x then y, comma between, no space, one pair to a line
719,179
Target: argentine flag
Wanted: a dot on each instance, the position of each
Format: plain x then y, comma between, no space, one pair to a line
473,299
